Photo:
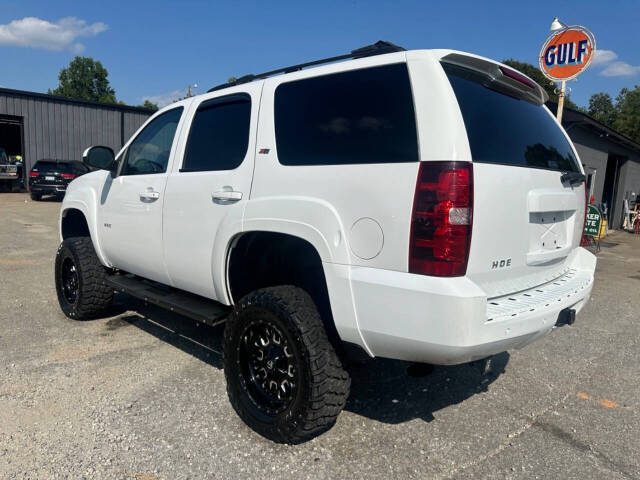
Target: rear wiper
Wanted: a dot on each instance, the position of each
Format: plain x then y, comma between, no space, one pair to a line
572,178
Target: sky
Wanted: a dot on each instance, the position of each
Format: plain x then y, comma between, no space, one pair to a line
154,49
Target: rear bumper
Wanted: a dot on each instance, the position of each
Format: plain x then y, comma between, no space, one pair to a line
48,189
451,321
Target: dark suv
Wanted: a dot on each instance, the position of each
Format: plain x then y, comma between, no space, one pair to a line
51,177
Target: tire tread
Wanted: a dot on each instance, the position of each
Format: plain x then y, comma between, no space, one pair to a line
330,383
95,297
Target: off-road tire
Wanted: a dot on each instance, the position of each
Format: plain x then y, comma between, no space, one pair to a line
324,384
94,297
36,197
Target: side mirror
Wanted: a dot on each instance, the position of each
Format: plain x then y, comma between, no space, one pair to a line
102,158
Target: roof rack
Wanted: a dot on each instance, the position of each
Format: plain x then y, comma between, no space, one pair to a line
379,48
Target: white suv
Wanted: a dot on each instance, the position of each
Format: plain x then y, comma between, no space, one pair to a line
419,205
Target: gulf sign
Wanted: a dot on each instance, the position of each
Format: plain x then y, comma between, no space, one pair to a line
567,53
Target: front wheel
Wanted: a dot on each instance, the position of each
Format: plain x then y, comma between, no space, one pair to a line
284,378
79,276
36,197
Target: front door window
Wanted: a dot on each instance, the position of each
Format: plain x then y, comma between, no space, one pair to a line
149,152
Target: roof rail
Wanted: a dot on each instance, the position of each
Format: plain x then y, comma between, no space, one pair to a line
379,48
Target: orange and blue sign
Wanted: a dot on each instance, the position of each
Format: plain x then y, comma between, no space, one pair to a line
567,53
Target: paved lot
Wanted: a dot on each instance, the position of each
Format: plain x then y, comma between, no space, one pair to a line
142,395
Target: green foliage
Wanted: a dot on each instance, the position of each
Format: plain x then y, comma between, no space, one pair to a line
601,108
149,105
623,115
534,73
85,79
627,113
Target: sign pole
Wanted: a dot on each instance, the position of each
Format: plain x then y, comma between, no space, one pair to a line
563,88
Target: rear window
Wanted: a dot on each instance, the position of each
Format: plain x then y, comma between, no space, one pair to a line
508,131
360,116
53,166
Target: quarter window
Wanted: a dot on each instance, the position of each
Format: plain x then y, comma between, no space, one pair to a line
359,116
149,152
219,135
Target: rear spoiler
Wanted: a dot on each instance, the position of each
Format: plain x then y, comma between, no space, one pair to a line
496,77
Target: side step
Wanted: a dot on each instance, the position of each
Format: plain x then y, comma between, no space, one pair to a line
194,306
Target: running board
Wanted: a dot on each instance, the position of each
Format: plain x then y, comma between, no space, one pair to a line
193,306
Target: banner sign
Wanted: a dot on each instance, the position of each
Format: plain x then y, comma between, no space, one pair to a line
594,219
567,53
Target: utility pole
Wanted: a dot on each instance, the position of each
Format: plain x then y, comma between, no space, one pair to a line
189,87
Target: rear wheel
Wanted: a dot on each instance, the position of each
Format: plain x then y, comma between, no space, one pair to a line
79,278
284,378
36,197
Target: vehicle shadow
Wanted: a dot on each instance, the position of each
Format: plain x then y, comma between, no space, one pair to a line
388,391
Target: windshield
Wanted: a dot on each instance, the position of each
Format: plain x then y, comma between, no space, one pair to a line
505,130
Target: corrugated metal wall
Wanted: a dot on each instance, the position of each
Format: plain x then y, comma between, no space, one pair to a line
61,129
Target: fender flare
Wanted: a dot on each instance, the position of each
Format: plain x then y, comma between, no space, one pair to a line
309,219
78,201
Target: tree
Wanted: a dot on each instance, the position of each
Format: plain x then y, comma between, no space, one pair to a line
627,119
149,105
85,79
622,115
535,74
601,108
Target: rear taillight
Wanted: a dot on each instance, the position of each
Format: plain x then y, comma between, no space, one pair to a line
33,174
68,176
584,240
441,219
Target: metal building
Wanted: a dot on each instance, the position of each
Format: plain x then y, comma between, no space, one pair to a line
39,126
611,163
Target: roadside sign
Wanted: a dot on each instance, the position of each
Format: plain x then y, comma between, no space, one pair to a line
594,219
567,53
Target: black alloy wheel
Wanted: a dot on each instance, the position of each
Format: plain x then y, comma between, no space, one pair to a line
268,367
80,280
284,378
70,283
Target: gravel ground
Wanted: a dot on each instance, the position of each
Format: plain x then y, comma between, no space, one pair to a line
141,395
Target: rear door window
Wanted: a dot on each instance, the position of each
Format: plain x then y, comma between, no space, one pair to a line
508,131
359,116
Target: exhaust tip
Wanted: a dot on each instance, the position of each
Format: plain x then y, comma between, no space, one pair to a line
566,317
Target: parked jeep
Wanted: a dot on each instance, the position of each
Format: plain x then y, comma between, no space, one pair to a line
52,177
418,205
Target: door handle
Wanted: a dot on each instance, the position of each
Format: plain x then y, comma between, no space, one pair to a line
149,195
226,196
